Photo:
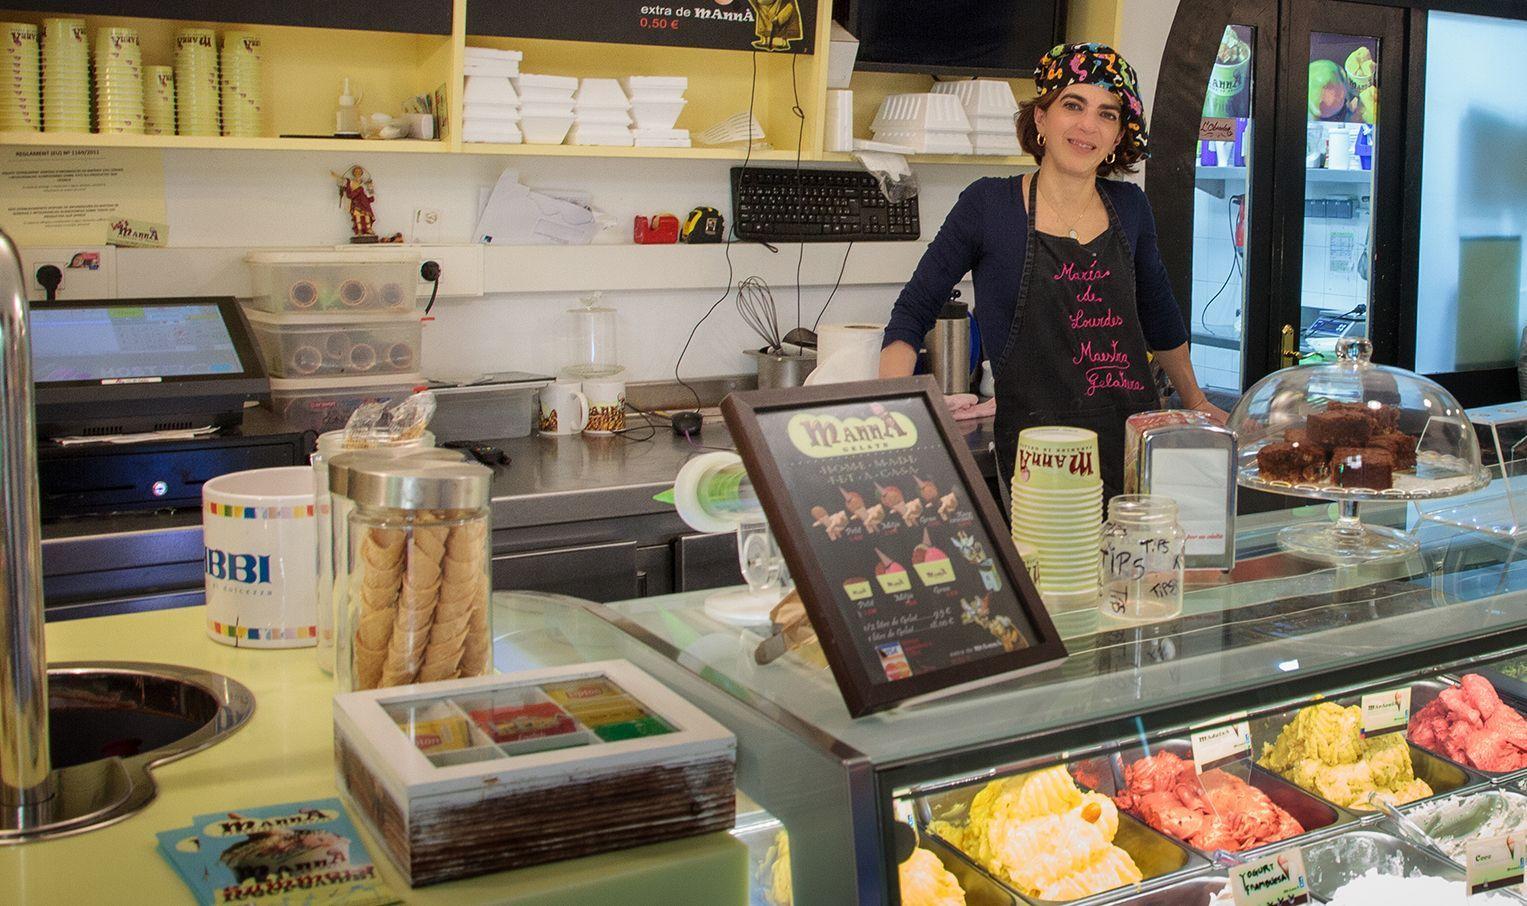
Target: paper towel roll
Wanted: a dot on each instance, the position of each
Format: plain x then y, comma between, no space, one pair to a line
847,352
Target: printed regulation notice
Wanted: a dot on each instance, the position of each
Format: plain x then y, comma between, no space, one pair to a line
67,196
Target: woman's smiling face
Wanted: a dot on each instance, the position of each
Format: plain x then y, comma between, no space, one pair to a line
1082,127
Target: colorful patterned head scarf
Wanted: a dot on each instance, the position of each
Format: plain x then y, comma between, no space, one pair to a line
1101,65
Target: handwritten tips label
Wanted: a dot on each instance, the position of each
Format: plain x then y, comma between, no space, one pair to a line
1495,863
1218,747
1385,711
1277,880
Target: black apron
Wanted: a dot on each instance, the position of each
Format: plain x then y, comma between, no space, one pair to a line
1075,354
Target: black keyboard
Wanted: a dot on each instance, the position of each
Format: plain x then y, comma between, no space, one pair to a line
789,205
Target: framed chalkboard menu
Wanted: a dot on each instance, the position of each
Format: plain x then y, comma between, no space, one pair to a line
901,556
778,26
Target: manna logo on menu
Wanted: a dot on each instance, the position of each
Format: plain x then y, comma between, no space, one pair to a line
822,436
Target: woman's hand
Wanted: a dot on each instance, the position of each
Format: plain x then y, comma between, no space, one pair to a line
1203,405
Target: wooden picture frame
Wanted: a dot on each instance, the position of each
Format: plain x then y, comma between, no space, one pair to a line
860,434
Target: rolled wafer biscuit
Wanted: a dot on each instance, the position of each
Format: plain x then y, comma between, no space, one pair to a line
416,605
463,575
474,659
376,600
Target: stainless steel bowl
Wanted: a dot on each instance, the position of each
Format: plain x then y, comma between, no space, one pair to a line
776,369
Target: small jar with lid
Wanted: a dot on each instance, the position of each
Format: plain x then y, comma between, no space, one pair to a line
1143,553
332,534
417,571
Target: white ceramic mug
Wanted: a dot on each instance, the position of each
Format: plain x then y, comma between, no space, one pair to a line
260,558
607,405
564,409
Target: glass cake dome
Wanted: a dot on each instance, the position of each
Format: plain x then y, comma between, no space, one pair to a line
1353,431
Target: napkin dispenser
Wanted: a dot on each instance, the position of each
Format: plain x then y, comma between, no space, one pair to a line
1184,455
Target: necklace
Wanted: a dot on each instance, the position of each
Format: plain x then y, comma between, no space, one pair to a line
1071,227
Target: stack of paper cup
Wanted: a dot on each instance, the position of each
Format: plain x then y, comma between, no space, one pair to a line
196,82
1058,512
21,70
159,100
240,66
118,81
65,76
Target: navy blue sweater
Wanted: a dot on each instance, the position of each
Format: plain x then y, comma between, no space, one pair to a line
986,235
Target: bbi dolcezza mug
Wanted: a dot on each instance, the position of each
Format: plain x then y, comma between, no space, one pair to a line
607,405
261,558
563,409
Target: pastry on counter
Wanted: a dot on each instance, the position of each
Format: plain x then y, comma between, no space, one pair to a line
1324,751
1221,812
926,882
1469,724
1040,833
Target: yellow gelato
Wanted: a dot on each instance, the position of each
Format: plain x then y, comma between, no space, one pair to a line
1324,751
775,872
926,882
1044,836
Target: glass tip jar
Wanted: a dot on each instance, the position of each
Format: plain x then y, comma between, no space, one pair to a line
1143,554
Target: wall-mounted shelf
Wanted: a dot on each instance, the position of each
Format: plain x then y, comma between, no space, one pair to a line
218,142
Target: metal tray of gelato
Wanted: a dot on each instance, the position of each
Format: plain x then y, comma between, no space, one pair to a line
1335,861
1485,742
1175,813
1065,843
1204,890
1454,822
1326,754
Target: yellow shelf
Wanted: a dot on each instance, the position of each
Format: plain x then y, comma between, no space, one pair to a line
969,160
698,153
217,142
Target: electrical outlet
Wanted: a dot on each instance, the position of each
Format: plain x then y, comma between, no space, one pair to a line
89,272
460,269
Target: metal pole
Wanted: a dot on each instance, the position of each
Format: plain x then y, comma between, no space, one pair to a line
25,762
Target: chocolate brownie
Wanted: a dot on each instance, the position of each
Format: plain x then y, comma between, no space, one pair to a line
1401,446
1295,464
1383,417
1363,467
1300,437
1340,428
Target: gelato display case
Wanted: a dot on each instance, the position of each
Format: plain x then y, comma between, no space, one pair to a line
1353,432
1037,791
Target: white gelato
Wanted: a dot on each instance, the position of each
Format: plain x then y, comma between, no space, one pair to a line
1457,820
1375,889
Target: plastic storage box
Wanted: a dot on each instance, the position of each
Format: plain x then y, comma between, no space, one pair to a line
330,281
300,346
325,404
504,407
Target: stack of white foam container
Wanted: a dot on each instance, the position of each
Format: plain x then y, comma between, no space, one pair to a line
990,106
601,114
490,106
656,102
546,107
927,123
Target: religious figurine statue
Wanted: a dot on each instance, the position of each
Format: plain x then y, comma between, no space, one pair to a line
356,193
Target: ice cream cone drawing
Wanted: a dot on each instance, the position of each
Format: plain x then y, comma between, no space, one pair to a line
872,517
927,490
891,498
833,524
853,502
947,506
891,575
932,565
911,511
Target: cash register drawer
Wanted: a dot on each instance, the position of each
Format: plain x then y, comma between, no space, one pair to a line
77,481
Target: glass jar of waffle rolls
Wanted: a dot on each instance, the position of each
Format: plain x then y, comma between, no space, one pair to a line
417,572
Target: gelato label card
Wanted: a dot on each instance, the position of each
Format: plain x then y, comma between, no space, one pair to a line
1496,863
1277,880
1220,746
1385,711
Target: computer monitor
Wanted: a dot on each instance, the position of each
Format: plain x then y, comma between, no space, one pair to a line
127,365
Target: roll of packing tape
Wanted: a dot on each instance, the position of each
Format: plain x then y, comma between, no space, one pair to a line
306,360
303,294
847,352
354,293
400,356
392,296
362,357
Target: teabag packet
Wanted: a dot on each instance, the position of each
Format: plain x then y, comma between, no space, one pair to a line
381,424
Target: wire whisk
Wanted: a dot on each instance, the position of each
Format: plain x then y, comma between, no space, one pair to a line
756,305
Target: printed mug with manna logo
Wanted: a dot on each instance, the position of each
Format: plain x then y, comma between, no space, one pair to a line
261,558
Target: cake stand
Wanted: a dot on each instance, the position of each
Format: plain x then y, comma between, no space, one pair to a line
1447,456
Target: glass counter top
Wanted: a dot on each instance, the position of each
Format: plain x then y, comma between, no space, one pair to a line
1271,620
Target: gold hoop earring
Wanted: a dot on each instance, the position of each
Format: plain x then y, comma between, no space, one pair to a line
1111,157
1041,139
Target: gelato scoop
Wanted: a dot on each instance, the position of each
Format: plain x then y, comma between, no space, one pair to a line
1221,812
1455,821
1043,835
926,882
1324,751
1376,889
1469,724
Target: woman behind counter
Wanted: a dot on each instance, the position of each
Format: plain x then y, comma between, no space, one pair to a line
1069,299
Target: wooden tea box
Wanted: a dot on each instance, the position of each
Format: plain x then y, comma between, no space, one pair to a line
471,776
